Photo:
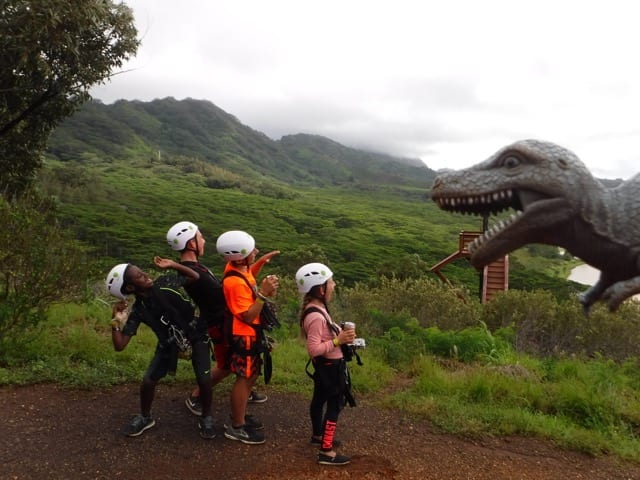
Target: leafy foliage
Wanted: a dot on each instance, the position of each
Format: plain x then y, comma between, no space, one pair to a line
53,51
125,207
40,264
469,380
200,131
367,214
542,325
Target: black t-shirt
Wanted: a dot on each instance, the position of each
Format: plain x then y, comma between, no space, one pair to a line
163,307
206,292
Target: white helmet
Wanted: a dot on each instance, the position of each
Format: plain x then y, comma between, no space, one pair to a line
180,234
115,280
235,245
312,274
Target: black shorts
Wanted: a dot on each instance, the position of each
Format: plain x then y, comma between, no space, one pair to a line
200,358
328,376
165,360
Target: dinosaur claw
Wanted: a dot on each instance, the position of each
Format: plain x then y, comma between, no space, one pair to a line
613,304
612,298
586,303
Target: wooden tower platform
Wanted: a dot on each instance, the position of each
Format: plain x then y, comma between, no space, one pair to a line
494,277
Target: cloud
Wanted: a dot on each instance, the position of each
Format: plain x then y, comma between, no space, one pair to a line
448,82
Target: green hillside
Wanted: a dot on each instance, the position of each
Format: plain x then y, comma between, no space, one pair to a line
199,130
124,173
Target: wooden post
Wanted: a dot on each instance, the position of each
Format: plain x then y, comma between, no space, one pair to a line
485,226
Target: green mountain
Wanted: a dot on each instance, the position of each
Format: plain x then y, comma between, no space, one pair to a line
124,173
200,130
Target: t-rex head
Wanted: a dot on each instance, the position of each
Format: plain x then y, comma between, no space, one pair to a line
545,183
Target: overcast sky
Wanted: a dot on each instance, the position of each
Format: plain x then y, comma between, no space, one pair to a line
446,81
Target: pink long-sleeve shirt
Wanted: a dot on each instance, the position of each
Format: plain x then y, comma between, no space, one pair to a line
320,336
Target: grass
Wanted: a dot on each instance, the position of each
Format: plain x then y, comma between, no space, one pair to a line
356,229
592,406
585,406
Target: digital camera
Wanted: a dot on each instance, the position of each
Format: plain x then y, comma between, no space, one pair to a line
359,343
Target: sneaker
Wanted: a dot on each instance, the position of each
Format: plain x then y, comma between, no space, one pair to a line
337,460
139,424
256,397
205,425
318,441
194,405
244,435
253,423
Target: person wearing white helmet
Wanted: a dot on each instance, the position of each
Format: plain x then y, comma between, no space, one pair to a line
206,292
245,301
324,339
171,317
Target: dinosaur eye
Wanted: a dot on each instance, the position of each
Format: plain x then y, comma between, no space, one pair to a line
510,161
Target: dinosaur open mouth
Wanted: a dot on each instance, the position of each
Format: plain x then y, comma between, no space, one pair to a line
491,203
481,204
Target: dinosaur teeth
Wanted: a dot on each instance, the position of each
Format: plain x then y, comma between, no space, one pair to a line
495,202
492,232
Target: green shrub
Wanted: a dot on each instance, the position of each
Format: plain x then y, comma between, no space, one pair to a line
40,265
431,303
541,325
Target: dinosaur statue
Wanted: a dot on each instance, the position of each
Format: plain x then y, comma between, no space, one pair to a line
558,202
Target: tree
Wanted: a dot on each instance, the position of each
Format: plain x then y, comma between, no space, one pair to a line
40,263
53,52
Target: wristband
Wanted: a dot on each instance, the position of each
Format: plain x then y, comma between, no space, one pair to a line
261,296
336,342
260,299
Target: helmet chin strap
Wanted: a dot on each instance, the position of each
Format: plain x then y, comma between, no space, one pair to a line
196,250
320,296
240,263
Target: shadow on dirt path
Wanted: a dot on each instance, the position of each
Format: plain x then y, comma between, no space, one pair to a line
52,432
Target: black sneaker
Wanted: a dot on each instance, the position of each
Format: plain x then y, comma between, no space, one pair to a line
205,425
253,423
256,397
194,405
337,460
318,441
139,424
244,435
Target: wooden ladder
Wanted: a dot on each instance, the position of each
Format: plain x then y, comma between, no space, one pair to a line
495,278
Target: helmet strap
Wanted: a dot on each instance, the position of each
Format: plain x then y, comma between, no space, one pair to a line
196,250
319,294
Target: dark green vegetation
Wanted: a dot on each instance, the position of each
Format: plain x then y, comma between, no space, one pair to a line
53,52
116,177
527,363
39,265
124,173
536,370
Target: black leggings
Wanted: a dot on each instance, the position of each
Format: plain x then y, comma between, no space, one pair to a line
164,361
326,403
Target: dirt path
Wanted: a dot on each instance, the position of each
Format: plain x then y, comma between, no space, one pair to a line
58,433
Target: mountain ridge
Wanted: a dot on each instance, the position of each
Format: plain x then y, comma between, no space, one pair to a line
199,129
121,173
